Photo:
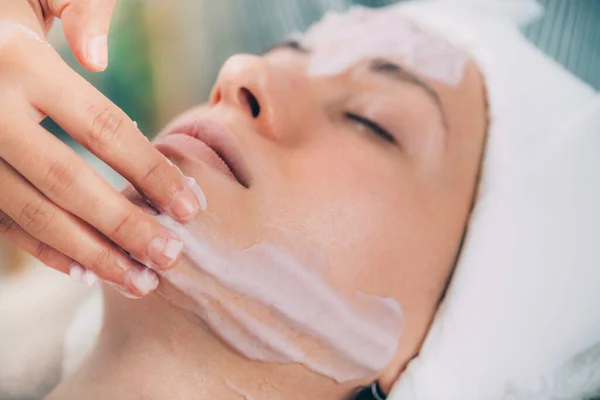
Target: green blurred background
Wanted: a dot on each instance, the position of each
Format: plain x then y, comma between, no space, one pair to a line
165,54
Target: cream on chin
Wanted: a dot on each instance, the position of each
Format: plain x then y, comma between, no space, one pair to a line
271,302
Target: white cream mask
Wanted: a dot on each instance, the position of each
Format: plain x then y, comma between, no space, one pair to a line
339,41
274,305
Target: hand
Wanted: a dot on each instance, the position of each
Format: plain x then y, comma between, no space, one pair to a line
52,204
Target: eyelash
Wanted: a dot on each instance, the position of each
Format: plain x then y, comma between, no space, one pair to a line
293,43
372,126
290,44
383,65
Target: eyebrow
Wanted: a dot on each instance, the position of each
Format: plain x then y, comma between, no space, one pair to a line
383,67
397,73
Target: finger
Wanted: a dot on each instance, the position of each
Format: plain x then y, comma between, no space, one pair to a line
60,174
16,235
61,231
107,131
12,232
86,24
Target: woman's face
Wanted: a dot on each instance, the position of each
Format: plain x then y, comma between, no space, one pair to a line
376,165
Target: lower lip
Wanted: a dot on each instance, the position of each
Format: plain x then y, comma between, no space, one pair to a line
193,149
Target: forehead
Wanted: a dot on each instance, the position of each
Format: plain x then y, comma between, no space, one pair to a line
339,41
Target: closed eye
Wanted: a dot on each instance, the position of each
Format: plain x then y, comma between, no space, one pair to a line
371,126
292,44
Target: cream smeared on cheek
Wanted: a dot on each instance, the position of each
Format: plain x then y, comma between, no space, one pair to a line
273,305
339,41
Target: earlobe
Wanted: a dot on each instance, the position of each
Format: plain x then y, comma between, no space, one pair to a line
371,392
388,377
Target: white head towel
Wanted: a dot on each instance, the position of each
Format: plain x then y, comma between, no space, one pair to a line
521,318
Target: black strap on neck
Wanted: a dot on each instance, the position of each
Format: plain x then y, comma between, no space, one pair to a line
371,392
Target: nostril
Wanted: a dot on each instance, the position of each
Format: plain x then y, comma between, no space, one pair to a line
247,98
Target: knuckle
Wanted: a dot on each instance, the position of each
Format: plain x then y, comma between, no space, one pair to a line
7,225
8,40
10,57
59,179
36,217
124,227
18,47
43,252
104,127
156,172
158,175
102,261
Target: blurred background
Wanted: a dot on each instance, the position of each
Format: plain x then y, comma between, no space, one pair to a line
164,58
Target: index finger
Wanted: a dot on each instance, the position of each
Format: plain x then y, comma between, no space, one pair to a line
104,129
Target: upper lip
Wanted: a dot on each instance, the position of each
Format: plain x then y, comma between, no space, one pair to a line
219,140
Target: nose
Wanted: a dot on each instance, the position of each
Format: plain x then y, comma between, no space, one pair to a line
267,94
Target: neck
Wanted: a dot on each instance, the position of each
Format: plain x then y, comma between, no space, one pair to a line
151,349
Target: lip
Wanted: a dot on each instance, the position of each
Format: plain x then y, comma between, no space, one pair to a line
209,142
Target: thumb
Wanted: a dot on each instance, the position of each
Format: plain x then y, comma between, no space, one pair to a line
86,24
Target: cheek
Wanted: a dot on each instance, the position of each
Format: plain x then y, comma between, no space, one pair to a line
356,202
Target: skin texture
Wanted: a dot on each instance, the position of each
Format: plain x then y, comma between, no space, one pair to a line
388,216
52,204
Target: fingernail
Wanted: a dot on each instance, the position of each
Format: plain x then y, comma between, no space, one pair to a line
194,187
97,51
185,205
123,291
142,282
138,280
163,251
82,275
